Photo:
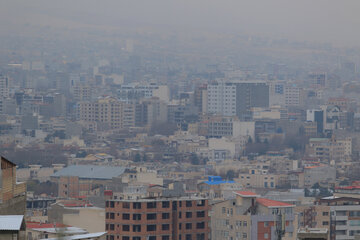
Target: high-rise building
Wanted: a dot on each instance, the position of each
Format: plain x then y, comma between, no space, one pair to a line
4,87
107,110
158,219
237,98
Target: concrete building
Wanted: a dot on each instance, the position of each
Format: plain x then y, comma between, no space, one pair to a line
261,179
4,87
319,174
158,218
108,111
237,98
250,217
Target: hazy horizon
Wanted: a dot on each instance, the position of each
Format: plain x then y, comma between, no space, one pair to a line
321,21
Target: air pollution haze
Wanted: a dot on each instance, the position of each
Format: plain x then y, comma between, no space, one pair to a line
306,20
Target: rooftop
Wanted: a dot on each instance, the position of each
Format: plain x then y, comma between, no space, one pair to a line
90,172
11,222
246,194
272,203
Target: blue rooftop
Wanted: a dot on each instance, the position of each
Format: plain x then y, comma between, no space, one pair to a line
216,180
90,172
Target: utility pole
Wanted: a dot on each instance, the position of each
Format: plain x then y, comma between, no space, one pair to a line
280,225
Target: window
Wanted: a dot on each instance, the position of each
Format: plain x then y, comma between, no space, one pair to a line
125,238
245,223
151,216
151,205
166,237
136,216
223,210
165,227
112,215
107,203
112,204
266,235
188,237
200,236
188,226
136,228
151,228
152,238
244,235
126,205
200,225
180,226
188,214
325,223
137,205
166,204
165,215
107,215
201,203
112,226
125,228
325,213
266,224
179,214
126,216
188,204
136,238
200,214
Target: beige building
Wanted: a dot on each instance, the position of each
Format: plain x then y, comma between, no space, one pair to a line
261,179
109,111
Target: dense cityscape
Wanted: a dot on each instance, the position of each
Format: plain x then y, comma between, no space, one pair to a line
127,133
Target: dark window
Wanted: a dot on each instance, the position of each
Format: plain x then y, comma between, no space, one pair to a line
179,236
111,237
179,214
188,226
151,228
126,205
200,236
136,238
201,203
136,228
165,227
112,205
166,237
188,237
188,214
107,215
137,205
165,215
107,227
152,238
126,216
180,226
188,204
107,203
151,216
180,203
126,228
200,225
151,205
125,238
200,214
112,215
112,227
136,216
166,204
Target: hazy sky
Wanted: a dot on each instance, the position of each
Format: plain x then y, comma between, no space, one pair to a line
335,21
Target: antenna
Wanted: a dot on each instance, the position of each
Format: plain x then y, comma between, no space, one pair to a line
280,225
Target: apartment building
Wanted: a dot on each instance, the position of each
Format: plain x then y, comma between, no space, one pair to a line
256,178
184,218
108,111
330,149
344,216
237,98
250,217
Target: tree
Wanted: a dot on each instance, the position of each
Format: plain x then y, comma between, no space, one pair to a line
230,175
137,157
194,159
144,158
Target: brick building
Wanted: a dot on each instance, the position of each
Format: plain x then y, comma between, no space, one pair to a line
158,219
12,193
